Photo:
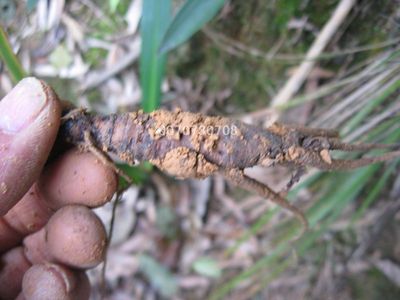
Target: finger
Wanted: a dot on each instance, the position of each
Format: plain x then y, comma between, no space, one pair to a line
29,121
74,177
52,281
78,178
74,236
29,215
20,297
35,248
13,265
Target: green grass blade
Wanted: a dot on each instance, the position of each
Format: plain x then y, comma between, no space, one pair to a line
9,58
342,190
332,204
383,179
347,186
375,191
155,18
193,15
113,5
371,105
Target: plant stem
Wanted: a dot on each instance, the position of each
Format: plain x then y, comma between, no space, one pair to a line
9,58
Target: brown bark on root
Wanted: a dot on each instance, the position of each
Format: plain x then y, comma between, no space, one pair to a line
188,145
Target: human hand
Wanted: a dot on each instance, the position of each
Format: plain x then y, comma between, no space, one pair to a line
48,236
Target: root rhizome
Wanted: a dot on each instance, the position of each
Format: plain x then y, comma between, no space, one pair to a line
189,145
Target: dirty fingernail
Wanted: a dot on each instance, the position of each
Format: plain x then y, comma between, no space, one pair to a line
22,105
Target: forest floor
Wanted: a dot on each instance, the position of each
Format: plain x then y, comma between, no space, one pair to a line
196,239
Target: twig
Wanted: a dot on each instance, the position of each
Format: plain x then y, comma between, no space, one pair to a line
300,75
110,232
97,77
339,112
390,112
239,49
319,93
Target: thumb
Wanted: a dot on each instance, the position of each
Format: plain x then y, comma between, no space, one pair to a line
29,121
